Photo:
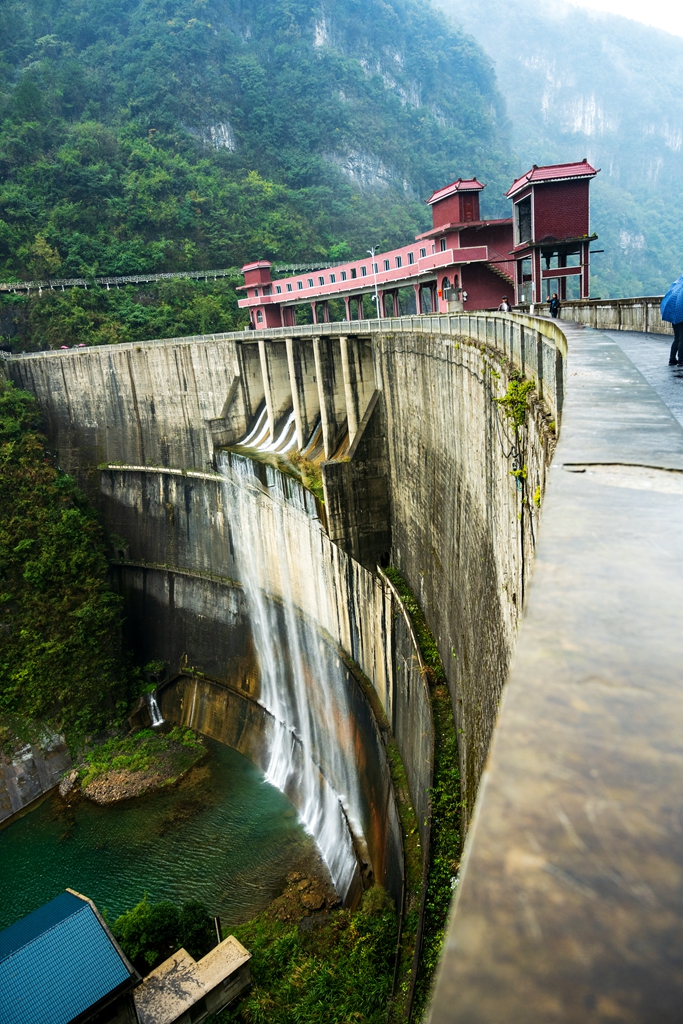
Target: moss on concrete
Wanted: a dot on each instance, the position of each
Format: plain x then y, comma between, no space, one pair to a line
445,837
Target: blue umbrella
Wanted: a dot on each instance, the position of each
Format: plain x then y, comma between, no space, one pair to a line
672,303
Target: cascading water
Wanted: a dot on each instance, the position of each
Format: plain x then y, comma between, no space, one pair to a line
154,711
275,526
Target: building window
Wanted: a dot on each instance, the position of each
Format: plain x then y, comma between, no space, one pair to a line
198,1010
310,282
343,275
333,279
443,245
255,293
411,257
374,268
267,289
523,221
433,248
399,261
353,273
300,284
321,280
363,271
259,315
278,289
386,264
289,287
423,253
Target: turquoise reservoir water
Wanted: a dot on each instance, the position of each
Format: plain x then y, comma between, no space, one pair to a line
224,836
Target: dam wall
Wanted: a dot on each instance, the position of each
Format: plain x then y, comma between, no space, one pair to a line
464,519
418,441
430,462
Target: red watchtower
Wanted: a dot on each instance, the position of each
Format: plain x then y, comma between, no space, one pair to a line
257,284
552,237
456,204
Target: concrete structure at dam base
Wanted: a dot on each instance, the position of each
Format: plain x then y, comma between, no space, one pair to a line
543,549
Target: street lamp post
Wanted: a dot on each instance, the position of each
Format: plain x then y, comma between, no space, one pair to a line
371,252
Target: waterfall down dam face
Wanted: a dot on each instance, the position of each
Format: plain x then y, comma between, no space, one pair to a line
284,637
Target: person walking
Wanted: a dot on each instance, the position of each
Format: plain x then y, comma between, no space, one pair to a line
555,306
676,353
672,311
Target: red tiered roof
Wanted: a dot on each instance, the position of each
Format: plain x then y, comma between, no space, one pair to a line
553,172
461,185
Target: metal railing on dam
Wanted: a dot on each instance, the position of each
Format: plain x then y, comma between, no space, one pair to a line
569,906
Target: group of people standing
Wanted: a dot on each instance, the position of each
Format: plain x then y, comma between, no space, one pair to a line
553,303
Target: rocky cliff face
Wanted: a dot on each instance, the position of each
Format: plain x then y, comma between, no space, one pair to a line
580,83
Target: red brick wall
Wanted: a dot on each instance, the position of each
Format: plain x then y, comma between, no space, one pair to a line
447,211
484,288
452,209
497,235
560,210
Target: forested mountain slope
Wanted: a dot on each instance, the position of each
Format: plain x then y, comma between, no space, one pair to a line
172,134
579,83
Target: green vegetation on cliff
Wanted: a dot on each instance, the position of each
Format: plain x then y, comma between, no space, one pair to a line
167,309
336,971
62,659
188,134
588,83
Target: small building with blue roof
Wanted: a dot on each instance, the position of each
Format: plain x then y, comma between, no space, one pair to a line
62,965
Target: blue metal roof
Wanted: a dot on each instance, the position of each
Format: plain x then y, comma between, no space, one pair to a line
57,962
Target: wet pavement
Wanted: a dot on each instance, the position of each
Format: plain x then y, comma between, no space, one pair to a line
650,353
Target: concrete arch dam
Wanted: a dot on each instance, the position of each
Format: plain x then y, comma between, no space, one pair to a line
294,646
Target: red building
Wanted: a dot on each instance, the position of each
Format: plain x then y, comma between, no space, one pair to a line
551,215
462,263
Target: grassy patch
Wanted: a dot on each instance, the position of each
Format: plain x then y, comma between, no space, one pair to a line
446,842
170,755
337,971
412,850
445,845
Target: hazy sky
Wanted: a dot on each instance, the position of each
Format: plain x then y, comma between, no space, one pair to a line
666,14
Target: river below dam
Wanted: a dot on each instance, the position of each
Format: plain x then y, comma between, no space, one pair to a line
224,836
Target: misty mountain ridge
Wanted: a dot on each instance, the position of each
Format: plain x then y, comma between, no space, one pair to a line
586,83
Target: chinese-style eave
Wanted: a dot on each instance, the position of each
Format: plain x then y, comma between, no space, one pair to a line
461,185
547,240
258,265
460,226
550,174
